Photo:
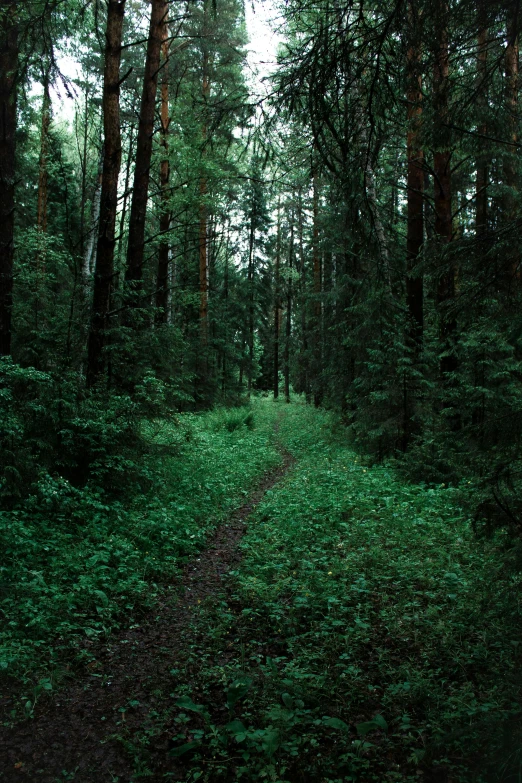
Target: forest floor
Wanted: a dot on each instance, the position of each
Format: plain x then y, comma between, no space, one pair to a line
339,625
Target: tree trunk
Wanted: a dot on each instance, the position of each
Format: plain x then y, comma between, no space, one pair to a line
415,185
304,359
203,264
481,204
162,283
123,215
251,301
277,305
93,230
318,275
104,270
203,189
41,214
41,202
442,177
140,192
8,96
510,157
289,310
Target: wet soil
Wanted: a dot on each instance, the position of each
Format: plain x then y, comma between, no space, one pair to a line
87,730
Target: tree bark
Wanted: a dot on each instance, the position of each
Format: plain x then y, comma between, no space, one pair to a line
481,196
104,270
442,177
8,96
510,157
162,284
251,297
203,264
123,214
138,212
203,190
415,184
93,229
318,276
277,305
41,216
288,333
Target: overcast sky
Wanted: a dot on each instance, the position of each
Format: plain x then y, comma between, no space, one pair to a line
261,19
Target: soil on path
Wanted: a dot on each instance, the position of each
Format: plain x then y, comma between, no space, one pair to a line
77,735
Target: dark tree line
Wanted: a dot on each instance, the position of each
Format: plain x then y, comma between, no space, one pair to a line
355,238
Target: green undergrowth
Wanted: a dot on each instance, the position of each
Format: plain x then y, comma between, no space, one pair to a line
367,635
75,561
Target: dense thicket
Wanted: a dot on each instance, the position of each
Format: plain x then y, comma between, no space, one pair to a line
404,117
172,243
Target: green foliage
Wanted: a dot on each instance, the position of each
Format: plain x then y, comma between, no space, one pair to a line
232,418
363,631
78,559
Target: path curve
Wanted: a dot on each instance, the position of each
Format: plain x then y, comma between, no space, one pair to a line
71,736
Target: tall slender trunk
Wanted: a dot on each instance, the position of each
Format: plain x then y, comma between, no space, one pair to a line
415,212
41,201
93,229
288,331
442,177
251,298
140,192
123,215
481,203
318,274
83,160
104,269
303,355
203,190
162,283
277,304
415,184
203,263
8,96
224,367
510,157
41,211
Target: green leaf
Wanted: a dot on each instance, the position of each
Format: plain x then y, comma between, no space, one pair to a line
235,727
377,723
271,741
287,701
381,723
181,749
186,703
336,723
102,597
237,690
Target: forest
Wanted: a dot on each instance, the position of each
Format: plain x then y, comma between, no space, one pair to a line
260,391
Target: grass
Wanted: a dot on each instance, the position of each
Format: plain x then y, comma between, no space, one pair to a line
74,562
367,636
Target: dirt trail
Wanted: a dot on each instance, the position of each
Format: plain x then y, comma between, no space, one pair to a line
71,736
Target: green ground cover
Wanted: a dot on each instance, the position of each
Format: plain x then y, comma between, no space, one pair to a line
368,634
75,560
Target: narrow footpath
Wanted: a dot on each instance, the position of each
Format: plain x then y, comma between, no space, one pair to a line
85,731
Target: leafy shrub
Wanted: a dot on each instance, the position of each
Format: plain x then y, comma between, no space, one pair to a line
76,559
49,425
233,419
